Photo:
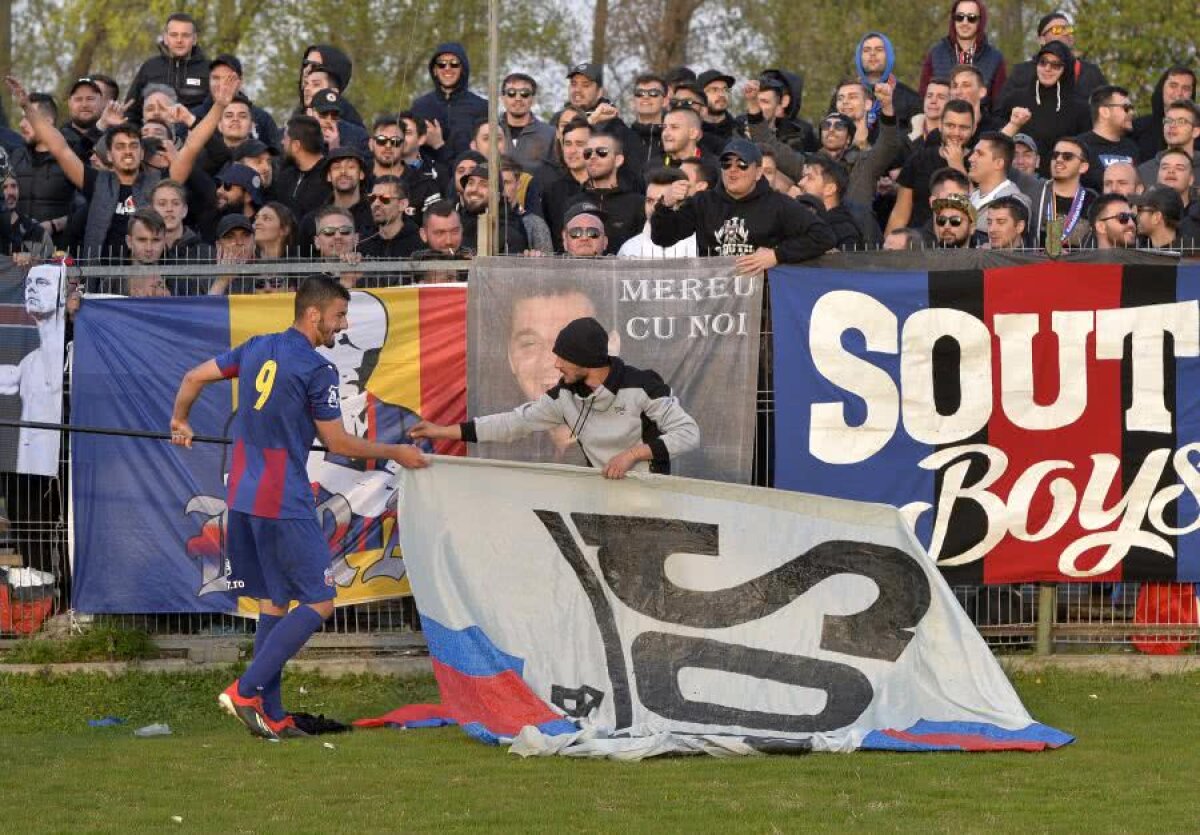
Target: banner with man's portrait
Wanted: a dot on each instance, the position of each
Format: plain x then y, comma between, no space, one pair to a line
32,327
692,321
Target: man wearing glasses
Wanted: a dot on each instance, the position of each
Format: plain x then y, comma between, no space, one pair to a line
1053,27
529,140
1108,141
622,206
649,107
1060,215
954,222
583,231
395,235
1180,129
1177,82
450,103
746,219
966,42
1114,222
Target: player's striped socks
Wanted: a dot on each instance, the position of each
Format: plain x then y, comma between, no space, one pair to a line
272,695
286,639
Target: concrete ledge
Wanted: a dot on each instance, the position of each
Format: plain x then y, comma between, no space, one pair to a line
1130,665
406,667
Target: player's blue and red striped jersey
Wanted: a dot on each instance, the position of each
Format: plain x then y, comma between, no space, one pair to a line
283,386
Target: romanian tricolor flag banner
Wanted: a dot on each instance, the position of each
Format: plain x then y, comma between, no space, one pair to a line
148,517
1033,423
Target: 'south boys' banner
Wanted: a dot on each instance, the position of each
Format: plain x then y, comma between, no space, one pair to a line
1035,423
691,320
149,517
659,614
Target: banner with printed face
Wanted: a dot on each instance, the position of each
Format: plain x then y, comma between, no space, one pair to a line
32,327
149,518
1034,423
673,615
692,321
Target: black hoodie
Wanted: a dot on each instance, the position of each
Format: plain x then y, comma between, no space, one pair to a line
1057,111
1148,130
724,225
338,63
457,110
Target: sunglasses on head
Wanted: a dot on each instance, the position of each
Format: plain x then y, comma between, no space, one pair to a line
730,162
518,92
381,198
966,17
600,152
394,141
648,94
1058,30
330,231
584,232
448,65
1068,156
1121,217
953,221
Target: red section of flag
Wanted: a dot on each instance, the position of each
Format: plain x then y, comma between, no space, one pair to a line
968,742
1044,289
444,361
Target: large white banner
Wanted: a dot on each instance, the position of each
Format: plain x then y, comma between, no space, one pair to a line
669,614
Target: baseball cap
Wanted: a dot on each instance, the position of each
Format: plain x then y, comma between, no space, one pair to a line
594,72
344,152
955,201
1162,199
231,222
709,76
327,101
89,81
1026,140
252,148
478,171
226,60
236,174
583,207
744,149
677,74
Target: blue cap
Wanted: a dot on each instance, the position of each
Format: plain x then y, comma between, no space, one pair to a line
744,149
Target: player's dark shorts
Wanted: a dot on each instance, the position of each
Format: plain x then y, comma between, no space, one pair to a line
279,559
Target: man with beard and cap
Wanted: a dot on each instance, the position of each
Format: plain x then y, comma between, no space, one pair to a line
227,68
1176,83
874,60
85,104
744,218
473,210
717,87
346,174
623,418
1052,28
451,103
1047,106
239,190
1181,130
966,43
954,222
338,65
327,109
180,64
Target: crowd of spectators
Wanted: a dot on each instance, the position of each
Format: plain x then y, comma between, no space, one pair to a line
979,153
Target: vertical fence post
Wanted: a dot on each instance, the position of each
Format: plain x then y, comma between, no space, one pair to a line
1045,618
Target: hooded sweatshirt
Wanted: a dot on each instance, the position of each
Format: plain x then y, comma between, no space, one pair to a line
725,225
187,76
1058,111
904,98
946,54
458,109
1148,130
338,63
796,133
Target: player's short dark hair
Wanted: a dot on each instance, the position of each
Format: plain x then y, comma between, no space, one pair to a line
577,124
318,291
1014,206
939,80
307,131
125,129
332,211
692,114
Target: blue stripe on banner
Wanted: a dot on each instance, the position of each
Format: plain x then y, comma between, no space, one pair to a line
469,651
131,495
884,298
984,736
1187,429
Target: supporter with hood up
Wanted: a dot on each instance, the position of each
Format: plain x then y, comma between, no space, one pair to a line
1174,84
966,42
1056,26
874,59
338,63
1048,108
450,102
786,124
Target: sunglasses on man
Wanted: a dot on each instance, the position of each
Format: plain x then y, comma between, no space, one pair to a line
1067,156
518,92
385,199
1057,30
730,162
394,141
684,103
448,65
1050,64
648,94
1120,217
603,153
330,231
584,232
966,17
953,221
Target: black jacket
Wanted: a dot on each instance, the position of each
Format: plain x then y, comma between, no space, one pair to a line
1148,130
187,76
457,110
725,226
559,194
339,64
1058,111
46,192
515,239
300,191
625,213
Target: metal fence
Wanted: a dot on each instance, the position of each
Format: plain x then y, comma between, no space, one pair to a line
1024,616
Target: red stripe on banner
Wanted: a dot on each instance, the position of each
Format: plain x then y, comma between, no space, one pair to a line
444,360
269,498
1043,289
968,742
502,703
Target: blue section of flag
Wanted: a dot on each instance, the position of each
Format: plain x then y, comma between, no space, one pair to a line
1187,428
799,385
966,736
469,651
131,528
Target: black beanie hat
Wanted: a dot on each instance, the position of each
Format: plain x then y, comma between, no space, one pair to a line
583,342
